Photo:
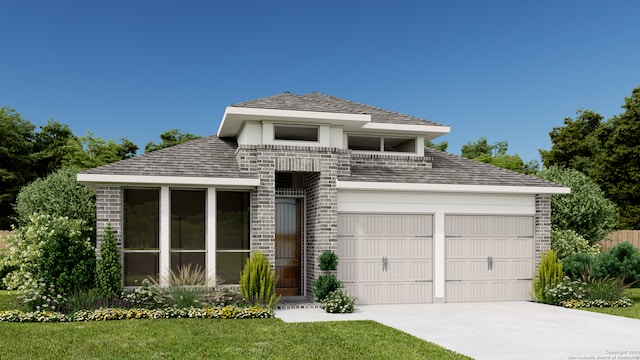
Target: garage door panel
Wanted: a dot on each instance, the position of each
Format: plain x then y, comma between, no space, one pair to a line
386,258
488,257
488,225
383,225
417,269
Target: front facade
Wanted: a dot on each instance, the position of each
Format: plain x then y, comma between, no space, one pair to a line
296,175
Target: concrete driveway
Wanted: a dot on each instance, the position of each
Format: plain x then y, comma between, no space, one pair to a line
501,330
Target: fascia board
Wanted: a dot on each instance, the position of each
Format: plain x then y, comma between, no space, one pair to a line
92,180
451,188
407,128
234,117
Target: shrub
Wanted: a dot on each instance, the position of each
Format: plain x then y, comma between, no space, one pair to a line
338,301
50,251
585,210
328,261
569,242
258,280
622,260
187,287
59,195
147,295
565,290
324,285
549,274
109,267
577,265
66,259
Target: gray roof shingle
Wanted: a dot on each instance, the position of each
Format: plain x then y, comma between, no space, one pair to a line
319,102
447,169
207,157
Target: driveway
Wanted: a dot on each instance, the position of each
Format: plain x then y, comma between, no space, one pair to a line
501,330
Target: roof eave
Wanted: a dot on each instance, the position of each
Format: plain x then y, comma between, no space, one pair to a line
452,188
234,117
93,180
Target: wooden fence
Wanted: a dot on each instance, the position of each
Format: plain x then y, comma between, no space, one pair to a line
613,239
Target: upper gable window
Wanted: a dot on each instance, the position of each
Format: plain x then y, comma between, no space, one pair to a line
382,144
296,133
400,145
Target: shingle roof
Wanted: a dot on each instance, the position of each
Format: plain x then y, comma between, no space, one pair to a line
447,169
206,157
319,102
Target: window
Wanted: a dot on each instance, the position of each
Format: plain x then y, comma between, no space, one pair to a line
299,133
382,144
400,145
364,143
188,230
232,234
141,245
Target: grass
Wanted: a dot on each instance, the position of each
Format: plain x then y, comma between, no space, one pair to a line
632,311
210,339
7,301
214,339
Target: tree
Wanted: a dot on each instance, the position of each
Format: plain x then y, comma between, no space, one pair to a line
585,210
617,164
49,146
170,138
442,145
16,160
90,151
496,155
58,195
574,144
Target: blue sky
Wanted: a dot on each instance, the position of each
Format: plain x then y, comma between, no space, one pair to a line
507,70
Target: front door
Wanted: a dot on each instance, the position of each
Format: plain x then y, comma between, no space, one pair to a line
288,245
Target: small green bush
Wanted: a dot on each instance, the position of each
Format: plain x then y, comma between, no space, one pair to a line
622,260
338,301
328,261
109,266
258,280
569,242
324,285
67,260
549,274
577,265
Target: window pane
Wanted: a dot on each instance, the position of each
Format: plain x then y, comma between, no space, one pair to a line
364,143
187,219
400,144
229,266
141,218
139,266
301,133
232,224
179,259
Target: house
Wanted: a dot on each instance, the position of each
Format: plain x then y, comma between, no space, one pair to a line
295,175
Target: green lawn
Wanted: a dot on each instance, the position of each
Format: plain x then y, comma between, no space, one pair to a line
632,311
210,339
213,339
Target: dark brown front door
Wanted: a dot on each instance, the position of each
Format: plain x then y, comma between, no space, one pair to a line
288,245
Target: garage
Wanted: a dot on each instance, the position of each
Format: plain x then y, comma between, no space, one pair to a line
386,258
488,257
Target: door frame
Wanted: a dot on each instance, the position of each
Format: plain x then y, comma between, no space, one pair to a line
303,239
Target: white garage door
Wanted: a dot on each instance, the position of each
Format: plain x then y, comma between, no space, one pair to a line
386,259
488,257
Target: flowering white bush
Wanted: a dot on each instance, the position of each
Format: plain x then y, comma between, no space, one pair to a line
338,301
569,242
